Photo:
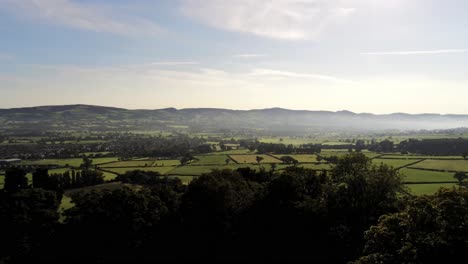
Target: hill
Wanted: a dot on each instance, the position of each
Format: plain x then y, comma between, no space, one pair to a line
212,120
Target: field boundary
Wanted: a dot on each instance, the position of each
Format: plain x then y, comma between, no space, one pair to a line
425,169
411,164
229,156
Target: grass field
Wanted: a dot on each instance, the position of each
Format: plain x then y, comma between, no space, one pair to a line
253,159
128,163
162,170
445,165
393,162
421,189
97,161
166,163
329,153
75,162
413,175
211,159
302,158
65,204
422,157
322,166
234,151
194,170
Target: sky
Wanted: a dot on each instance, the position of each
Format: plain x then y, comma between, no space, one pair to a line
373,56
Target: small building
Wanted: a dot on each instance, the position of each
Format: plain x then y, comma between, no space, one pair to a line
232,146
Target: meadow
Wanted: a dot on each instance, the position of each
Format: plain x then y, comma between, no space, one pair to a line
443,165
253,159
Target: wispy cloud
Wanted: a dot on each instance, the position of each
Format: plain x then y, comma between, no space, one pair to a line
287,74
415,52
248,56
173,63
281,19
79,15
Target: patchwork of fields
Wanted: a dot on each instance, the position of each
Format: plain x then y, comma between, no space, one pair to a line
422,174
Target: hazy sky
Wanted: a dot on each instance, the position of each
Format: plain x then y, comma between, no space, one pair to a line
378,56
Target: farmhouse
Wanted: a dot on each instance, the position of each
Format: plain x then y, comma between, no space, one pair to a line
232,146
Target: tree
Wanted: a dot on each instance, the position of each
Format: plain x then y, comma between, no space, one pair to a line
430,229
289,160
186,159
87,163
259,159
273,167
15,180
40,179
460,176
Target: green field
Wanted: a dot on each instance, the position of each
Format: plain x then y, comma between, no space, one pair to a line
162,170
211,160
420,189
128,163
322,166
302,158
393,162
65,204
75,162
414,175
166,163
329,153
421,157
444,165
194,170
253,159
234,151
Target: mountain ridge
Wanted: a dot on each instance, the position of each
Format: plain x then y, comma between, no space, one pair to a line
41,107
84,116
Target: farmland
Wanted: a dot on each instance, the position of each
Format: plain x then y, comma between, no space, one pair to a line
416,169
250,159
443,165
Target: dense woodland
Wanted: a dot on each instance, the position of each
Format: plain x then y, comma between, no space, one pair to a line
358,212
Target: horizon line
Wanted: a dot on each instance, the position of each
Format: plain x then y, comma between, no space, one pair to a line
230,109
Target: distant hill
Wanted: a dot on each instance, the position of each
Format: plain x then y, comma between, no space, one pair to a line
206,119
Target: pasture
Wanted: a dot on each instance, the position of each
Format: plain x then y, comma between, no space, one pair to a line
211,160
250,159
120,170
414,175
128,163
395,163
302,158
443,165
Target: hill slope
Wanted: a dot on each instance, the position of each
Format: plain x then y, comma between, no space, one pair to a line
206,119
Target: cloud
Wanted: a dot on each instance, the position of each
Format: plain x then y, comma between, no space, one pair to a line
416,52
248,56
287,74
173,63
279,19
79,15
